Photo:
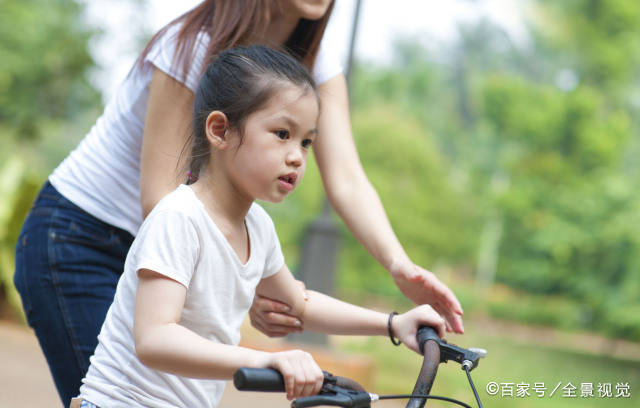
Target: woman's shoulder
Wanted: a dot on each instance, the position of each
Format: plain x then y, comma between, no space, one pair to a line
167,55
328,63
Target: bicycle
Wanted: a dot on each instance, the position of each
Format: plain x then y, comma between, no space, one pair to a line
344,392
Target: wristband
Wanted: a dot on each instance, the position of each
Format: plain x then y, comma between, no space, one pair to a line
394,341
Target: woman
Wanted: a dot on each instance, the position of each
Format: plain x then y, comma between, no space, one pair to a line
72,246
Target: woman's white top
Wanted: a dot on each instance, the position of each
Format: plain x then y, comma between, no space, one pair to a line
179,240
102,174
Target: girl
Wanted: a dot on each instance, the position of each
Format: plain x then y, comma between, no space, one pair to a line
207,248
73,244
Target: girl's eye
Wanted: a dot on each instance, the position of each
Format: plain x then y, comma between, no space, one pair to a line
282,134
306,143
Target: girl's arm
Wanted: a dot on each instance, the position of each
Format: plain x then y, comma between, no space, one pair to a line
325,314
163,344
357,203
166,131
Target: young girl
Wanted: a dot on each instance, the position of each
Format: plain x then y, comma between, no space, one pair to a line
171,334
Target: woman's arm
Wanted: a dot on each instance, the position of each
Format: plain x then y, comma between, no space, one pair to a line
324,314
357,203
166,131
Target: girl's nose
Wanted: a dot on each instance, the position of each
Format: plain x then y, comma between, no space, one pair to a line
294,157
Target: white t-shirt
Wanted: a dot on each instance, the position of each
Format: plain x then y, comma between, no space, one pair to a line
179,239
102,174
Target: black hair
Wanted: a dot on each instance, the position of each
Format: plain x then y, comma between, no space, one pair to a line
239,82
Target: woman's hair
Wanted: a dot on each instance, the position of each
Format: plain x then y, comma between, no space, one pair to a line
238,83
231,23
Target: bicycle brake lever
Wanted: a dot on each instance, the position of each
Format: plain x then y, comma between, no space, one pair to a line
482,353
334,395
448,351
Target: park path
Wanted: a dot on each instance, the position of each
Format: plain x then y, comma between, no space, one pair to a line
25,381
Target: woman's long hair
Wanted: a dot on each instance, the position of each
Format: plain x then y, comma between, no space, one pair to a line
231,23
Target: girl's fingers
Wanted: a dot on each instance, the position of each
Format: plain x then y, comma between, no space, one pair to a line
300,379
441,326
302,375
288,373
313,375
308,382
319,380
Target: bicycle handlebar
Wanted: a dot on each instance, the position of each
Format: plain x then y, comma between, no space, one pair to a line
258,379
339,391
431,352
344,392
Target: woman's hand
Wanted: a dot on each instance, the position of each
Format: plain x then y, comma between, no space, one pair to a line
406,325
423,287
271,318
302,376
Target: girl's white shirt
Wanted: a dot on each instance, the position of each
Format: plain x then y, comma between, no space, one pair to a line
102,175
180,240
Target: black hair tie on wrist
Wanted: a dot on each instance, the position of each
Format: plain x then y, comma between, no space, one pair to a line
394,341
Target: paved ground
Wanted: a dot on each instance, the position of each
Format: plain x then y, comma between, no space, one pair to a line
25,381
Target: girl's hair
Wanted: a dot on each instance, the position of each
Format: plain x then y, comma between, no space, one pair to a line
230,23
237,83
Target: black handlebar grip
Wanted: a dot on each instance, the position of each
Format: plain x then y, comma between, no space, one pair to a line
426,333
258,379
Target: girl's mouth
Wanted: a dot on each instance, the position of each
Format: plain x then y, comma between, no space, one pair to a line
288,181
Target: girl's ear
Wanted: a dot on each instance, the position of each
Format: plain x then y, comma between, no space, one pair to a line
216,127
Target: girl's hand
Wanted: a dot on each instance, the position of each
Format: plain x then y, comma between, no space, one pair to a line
405,326
302,376
271,318
423,287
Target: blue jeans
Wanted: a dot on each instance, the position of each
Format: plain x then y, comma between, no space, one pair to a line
67,267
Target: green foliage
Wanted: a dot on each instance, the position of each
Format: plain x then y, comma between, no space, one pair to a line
544,310
18,187
44,64
598,38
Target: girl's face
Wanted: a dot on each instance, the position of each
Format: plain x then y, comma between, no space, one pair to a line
271,159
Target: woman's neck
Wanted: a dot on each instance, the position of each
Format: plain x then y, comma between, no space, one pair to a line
279,29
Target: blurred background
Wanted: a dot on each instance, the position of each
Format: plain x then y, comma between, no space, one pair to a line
502,136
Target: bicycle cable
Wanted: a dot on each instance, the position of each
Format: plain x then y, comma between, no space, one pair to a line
465,367
475,393
434,397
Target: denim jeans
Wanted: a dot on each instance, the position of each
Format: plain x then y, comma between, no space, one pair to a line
67,268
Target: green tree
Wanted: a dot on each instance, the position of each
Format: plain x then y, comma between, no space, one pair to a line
44,90
44,65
